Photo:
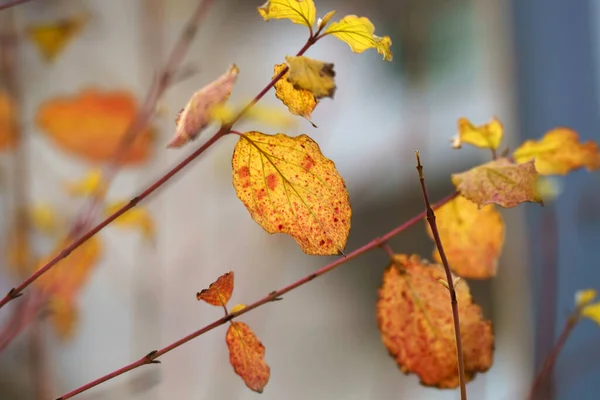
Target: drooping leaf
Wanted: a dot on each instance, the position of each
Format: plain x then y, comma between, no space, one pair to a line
472,237
415,319
51,38
313,75
137,218
219,292
358,32
246,355
8,122
197,113
299,102
559,152
584,297
486,136
500,182
92,124
91,184
301,12
288,186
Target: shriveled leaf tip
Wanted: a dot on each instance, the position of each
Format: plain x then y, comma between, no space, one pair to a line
289,186
219,292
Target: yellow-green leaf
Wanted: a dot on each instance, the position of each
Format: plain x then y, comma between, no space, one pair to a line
500,182
301,12
559,152
138,218
584,297
592,312
298,101
322,22
289,186
358,32
313,75
487,136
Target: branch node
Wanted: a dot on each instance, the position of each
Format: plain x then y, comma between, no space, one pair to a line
13,293
151,357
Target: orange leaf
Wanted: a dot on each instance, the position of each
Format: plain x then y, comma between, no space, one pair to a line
500,182
559,152
219,292
289,186
92,123
197,113
415,320
299,101
8,122
246,355
472,237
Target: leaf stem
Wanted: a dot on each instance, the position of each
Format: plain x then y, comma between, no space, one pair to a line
272,296
549,362
17,291
438,242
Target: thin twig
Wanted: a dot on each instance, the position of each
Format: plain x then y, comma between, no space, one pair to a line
438,242
549,362
388,250
17,291
12,3
272,296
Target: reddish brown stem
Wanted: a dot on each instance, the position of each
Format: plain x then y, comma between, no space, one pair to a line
549,362
12,3
438,242
17,291
273,296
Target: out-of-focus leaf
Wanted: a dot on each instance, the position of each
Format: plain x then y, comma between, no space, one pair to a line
485,136
91,184
137,218
8,122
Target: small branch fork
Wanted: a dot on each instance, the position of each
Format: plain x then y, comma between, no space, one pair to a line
438,242
17,291
151,358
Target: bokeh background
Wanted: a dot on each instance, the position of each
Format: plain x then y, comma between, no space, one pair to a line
533,64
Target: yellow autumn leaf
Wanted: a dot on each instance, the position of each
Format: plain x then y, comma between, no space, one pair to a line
289,186
51,38
197,114
91,184
322,22
137,218
584,297
273,116
8,122
301,12
313,75
43,218
63,316
549,188
237,307
500,182
559,152
592,312
298,101
487,136
358,33
472,237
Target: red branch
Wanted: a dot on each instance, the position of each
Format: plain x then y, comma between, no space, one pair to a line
151,358
12,3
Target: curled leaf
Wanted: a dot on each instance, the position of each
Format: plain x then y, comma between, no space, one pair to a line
559,152
415,319
298,101
358,33
584,297
92,124
301,12
288,186
472,237
138,218
246,355
8,122
486,136
500,182
197,113
219,292
91,184
313,75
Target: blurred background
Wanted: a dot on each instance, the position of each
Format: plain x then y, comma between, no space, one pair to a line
533,64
